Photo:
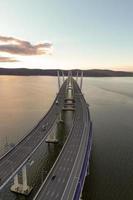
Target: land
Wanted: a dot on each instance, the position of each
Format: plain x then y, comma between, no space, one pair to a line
53,72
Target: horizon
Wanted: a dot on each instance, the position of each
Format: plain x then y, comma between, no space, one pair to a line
71,69
72,34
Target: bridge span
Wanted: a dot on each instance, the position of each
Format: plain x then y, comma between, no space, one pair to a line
66,179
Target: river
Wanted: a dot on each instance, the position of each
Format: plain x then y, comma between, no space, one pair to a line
24,100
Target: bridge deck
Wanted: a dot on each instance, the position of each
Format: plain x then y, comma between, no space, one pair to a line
63,178
19,155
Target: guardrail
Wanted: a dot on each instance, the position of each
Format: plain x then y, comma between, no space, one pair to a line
69,193
84,167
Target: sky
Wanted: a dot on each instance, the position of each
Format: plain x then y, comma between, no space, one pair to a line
67,34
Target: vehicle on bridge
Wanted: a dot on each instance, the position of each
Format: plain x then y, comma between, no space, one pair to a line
44,127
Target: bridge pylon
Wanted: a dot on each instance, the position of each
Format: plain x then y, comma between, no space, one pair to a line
81,81
77,77
63,76
58,74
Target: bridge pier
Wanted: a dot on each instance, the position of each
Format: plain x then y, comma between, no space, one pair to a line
23,188
16,180
52,136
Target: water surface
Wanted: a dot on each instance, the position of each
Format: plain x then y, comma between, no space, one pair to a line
111,106
24,100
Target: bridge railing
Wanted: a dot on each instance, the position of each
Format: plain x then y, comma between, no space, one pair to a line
84,167
81,178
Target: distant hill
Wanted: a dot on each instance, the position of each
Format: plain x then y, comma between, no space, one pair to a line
53,72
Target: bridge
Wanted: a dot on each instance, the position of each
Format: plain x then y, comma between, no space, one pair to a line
66,178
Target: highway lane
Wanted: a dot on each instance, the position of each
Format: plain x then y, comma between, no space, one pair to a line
16,158
68,166
74,177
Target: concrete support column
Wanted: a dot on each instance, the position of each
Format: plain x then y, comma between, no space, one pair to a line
24,178
16,180
21,188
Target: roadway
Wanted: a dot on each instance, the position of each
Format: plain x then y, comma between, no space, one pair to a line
15,159
62,180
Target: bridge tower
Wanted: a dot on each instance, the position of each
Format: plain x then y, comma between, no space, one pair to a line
77,77
81,81
63,76
58,74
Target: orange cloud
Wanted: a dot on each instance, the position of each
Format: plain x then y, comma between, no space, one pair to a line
7,59
20,47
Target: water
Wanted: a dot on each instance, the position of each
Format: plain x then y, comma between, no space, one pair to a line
24,100
111,106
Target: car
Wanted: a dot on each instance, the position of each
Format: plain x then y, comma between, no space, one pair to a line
44,127
57,102
53,177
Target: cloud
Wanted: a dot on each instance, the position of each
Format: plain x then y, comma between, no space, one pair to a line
16,46
7,59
